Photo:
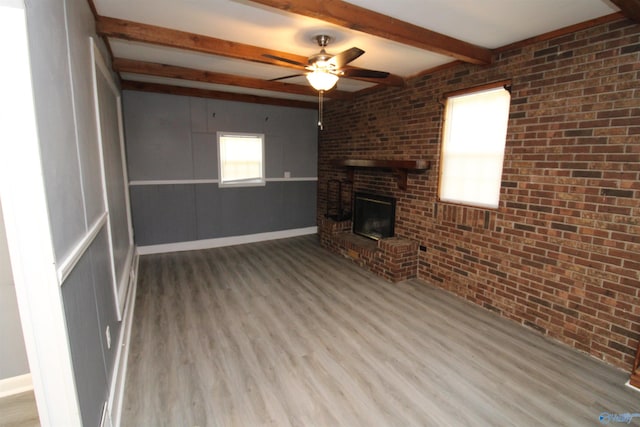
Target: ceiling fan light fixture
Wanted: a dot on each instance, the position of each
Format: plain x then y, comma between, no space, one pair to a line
322,80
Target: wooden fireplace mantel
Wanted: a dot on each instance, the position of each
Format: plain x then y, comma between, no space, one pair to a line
399,167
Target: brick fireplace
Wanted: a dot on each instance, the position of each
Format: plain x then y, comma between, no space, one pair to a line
393,258
390,256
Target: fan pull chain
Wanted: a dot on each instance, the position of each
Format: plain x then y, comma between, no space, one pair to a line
320,96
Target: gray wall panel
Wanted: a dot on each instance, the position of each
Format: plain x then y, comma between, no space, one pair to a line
89,307
81,26
236,116
251,210
172,213
198,108
158,134
205,155
85,340
56,126
163,213
298,159
274,156
209,211
223,212
114,177
299,129
219,212
299,202
275,121
106,312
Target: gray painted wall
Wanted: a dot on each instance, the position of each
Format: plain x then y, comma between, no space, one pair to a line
59,45
173,138
115,179
13,356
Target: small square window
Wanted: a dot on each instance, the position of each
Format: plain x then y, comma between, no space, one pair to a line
240,159
473,141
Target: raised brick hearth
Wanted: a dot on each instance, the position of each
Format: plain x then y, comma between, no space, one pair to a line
393,258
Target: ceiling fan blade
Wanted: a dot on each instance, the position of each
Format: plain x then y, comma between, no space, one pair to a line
288,61
359,72
286,77
343,58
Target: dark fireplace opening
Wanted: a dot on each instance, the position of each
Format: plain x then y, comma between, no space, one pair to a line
339,199
374,216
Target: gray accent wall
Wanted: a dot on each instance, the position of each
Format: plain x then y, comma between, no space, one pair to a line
60,54
172,138
88,300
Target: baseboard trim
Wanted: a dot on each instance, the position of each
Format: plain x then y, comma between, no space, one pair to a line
15,385
116,394
224,241
628,384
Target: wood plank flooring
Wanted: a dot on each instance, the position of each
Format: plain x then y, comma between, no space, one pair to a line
284,333
19,410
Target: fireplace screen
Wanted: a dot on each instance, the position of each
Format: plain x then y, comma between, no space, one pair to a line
373,215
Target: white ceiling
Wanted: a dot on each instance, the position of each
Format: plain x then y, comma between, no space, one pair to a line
487,23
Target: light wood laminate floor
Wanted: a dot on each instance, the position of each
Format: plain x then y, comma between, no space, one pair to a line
19,410
284,333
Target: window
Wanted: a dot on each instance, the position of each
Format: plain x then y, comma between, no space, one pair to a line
475,130
240,159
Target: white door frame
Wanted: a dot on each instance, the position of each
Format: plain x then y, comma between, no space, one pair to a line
28,230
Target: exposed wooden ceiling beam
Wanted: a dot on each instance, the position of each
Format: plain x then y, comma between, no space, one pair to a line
214,94
357,18
630,8
171,71
135,31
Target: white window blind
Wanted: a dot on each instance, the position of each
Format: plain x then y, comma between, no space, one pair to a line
241,159
473,142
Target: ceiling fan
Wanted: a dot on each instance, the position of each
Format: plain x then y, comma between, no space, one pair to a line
325,69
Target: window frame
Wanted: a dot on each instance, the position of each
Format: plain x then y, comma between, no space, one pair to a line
260,182
506,85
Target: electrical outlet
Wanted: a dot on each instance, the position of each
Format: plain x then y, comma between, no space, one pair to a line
287,174
108,334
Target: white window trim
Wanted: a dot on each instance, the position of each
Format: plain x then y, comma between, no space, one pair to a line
261,182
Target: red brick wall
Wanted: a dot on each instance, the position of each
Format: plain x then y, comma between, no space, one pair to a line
561,254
